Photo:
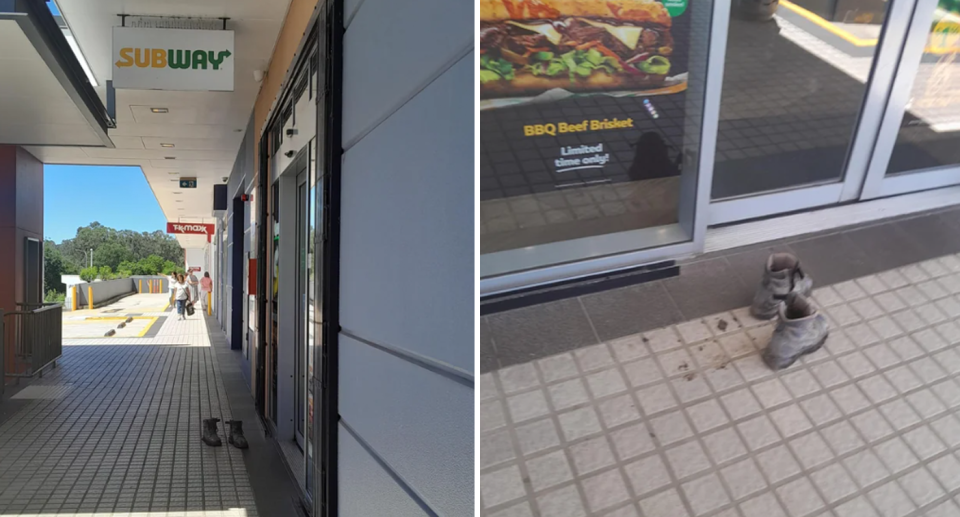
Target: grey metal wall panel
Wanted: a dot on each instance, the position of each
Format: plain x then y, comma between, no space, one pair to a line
406,352
423,36
104,291
407,247
418,422
365,489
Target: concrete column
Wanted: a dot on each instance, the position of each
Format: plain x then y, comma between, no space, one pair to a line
21,216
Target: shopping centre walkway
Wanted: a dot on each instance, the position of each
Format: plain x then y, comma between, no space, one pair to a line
684,419
115,428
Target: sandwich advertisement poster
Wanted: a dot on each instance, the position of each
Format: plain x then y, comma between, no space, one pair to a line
567,88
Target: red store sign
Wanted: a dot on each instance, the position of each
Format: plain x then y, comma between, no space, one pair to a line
192,229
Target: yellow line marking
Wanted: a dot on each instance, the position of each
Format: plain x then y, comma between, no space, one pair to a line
145,330
118,317
850,38
828,26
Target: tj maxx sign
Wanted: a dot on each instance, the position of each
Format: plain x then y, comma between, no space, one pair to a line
172,59
191,229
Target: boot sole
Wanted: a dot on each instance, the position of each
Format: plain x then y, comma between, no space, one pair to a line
809,350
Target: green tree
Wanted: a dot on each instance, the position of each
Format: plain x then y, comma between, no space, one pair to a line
128,268
152,265
111,247
55,297
54,266
111,254
169,267
106,273
89,274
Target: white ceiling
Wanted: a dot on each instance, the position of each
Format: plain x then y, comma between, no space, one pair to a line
206,128
34,106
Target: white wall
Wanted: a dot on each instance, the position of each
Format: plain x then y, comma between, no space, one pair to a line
197,257
407,252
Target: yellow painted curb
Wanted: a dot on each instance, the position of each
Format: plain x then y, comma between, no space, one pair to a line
148,327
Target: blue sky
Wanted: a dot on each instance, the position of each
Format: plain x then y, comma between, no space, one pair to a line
77,195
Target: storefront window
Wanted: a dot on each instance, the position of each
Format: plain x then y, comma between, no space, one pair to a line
929,133
589,129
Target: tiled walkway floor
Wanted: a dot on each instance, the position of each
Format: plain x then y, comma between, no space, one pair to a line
687,421
115,430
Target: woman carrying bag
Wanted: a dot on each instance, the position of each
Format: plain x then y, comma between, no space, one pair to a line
181,294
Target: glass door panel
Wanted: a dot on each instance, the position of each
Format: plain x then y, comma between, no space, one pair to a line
301,341
804,83
929,134
919,143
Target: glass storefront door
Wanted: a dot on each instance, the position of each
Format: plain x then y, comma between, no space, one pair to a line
919,143
804,84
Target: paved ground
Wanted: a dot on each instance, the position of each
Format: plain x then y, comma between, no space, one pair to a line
115,430
685,420
147,311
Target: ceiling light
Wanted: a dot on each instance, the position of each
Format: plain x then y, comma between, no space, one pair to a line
159,110
173,172
177,193
166,145
174,180
169,157
179,201
238,131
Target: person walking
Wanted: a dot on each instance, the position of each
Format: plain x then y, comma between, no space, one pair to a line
181,293
194,286
206,287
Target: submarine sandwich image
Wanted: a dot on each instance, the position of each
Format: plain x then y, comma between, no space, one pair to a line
530,46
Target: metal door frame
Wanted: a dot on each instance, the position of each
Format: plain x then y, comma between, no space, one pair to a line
877,184
300,395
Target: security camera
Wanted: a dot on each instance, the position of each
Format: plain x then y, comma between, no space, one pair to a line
258,75
226,179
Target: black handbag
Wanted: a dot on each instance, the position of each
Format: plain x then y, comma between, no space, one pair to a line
190,309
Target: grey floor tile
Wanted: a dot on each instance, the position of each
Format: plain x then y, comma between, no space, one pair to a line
887,246
541,330
629,310
833,258
935,235
707,287
121,433
488,353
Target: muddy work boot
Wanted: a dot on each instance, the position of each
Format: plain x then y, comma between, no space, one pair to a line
781,277
210,436
801,330
235,434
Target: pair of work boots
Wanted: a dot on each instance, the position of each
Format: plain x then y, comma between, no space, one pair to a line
234,435
783,292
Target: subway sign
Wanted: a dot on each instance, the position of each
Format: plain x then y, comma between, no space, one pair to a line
172,59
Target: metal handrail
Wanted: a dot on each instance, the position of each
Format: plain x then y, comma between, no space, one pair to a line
35,335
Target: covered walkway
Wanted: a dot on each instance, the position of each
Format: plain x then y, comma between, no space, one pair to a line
115,430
